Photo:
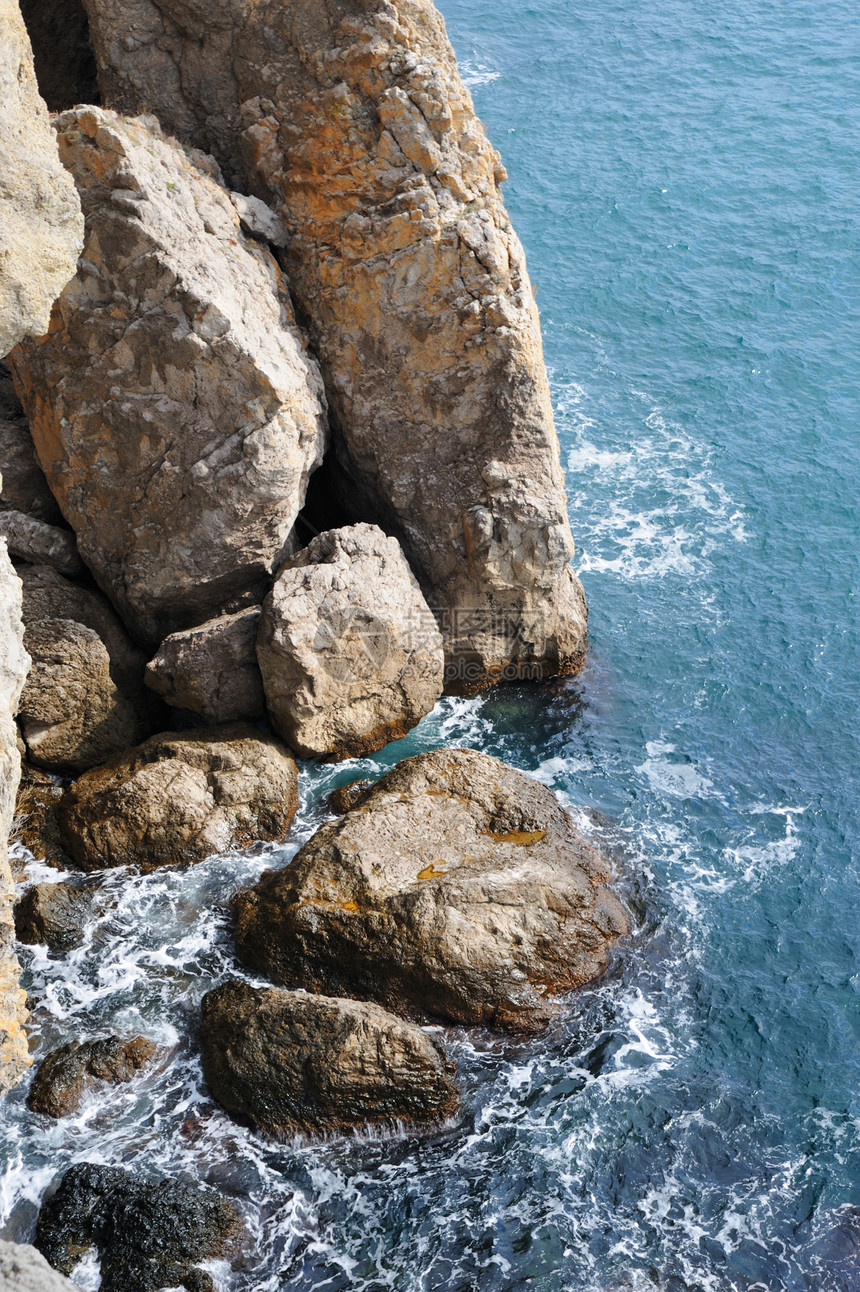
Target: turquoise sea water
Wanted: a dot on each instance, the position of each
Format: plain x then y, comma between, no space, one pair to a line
685,180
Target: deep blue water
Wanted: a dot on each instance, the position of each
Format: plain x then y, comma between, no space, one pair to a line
685,180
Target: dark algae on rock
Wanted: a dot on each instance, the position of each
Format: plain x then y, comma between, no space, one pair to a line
149,1234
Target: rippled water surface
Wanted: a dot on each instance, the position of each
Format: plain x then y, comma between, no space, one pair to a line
684,177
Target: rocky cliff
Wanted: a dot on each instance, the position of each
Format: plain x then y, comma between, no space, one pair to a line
40,237
352,120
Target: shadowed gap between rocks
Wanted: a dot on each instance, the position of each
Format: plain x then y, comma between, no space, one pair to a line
59,32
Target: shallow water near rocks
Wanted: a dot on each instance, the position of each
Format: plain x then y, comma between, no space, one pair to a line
683,179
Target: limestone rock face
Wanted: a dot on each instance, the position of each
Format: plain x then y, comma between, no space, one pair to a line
292,1063
23,1269
457,888
55,914
14,1058
174,408
180,797
150,1234
352,121
40,216
212,670
349,650
65,1075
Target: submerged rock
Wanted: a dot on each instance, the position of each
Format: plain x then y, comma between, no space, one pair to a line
149,1234
174,408
349,650
180,797
348,796
352,121
54,914
41,225
64,1075
14,661
457,888
212,670
23,1269
293,1063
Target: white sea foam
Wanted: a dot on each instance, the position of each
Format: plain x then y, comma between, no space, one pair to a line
678,778
474,73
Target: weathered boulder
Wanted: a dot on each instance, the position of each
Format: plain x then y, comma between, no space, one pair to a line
292,1063
65,1075
41,225
23,1269
352,121
71,715
212,669
350,653
180,797
174,407
348,796
54,914
458,888
36,823
14,1058
24,485
149,1234
29,539
85,699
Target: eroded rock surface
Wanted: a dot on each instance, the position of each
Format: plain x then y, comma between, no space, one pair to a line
14,1058
55,914
23,1269
29,539
180,797
149,1234
457,888
25,488
291,1063
65,1075
352,121
349,650
174,408
36,824
212,670
41,225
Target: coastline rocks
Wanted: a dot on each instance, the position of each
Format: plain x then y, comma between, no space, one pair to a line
149,1235
54,914
350,653
29,539
293,1063
64,1075
174,408
23,1269
14,661
25,488
180,797
36,824
71,715
41,225
348,796
458,888
212,670
354,124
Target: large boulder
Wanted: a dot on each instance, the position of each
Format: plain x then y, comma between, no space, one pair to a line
180,797
84,700
293,1063
149,1234
350,653
174,407
41,225
457,888
14,1058
212,670
72,715
352,121
23,1269
65,1075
